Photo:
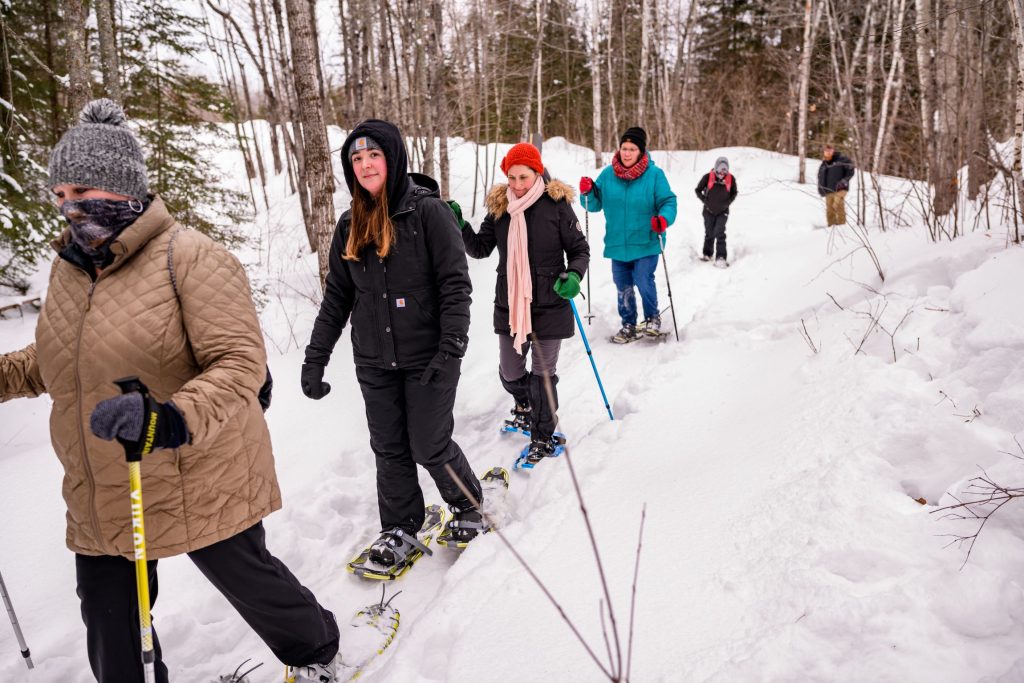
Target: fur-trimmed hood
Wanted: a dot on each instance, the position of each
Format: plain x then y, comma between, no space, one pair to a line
497,198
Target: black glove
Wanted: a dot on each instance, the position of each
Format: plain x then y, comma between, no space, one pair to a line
437,364
132,420
842,185
266,391
313,384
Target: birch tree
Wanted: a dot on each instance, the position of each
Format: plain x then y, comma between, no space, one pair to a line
318,172
77,56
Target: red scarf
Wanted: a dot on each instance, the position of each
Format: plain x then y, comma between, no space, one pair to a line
634,171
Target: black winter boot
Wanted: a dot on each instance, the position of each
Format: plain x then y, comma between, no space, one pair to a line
522,413
544,414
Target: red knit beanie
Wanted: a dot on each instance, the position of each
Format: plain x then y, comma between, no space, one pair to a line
523,153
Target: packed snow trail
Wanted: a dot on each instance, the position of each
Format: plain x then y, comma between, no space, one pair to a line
783,541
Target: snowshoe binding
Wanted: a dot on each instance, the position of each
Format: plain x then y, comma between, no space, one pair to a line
651,329
538,450
521,422
626,335
395,551
468,523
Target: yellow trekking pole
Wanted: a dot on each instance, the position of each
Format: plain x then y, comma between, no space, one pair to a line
133,451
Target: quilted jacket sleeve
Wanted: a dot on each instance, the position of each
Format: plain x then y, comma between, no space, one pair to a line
19,375
224,332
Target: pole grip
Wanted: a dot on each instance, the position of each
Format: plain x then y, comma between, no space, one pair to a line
134,450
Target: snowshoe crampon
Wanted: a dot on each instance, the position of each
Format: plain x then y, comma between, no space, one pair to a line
240,674
371,630
361,565
494,484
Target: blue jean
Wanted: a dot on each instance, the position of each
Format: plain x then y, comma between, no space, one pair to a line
639,274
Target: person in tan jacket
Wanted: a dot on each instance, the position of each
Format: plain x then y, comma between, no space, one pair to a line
133,293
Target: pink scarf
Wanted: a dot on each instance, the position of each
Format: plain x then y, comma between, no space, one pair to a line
520,286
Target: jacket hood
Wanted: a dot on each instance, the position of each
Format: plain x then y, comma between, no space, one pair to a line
497,198
719,161
425,182
387,135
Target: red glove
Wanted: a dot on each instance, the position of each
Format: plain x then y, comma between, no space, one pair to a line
586,184
659,224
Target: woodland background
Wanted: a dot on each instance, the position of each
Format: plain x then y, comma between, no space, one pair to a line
925,89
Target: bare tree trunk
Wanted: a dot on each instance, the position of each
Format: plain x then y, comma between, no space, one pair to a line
273,102
108,50
77,54
947,102
641,100
49,19
894,67
595,73
926,75
1017,12
438,92
318,171
811,17
538,45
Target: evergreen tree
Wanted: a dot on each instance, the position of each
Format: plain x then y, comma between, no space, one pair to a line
177,111
28,219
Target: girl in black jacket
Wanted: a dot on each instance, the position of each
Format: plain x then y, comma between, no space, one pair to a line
399,272
542,316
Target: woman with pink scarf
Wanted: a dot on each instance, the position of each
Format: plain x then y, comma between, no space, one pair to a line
531,222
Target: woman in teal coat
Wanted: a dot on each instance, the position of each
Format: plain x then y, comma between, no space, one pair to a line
638,207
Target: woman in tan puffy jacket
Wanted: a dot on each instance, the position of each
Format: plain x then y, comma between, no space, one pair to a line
133,293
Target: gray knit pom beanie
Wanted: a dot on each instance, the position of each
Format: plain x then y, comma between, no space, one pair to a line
100,152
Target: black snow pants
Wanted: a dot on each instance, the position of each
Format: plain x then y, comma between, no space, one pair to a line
261,589
411,424
714,234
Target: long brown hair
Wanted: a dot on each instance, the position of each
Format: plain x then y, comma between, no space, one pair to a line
370,224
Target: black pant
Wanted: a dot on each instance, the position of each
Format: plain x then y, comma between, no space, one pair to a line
260,588
411,424
714,234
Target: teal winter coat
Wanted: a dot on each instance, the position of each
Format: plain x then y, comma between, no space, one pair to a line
628,207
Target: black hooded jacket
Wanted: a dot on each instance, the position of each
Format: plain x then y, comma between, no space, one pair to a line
718,199
555,244
835,174
412,304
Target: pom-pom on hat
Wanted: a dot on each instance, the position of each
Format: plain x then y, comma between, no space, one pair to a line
101,152
523,154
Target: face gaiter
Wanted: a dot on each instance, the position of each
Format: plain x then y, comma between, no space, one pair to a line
95,223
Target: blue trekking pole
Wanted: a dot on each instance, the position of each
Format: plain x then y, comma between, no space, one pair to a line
586,343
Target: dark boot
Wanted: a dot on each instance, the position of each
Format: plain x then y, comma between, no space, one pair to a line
522,414
544,414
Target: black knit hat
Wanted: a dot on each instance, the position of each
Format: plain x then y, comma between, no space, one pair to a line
636,135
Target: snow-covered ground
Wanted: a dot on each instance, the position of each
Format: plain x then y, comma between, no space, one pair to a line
788,491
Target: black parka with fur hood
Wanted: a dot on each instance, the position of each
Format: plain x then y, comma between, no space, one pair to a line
553,234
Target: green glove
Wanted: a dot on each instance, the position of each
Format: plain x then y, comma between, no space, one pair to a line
457,210
568,285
